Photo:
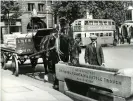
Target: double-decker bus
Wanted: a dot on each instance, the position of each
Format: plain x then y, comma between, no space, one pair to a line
104,29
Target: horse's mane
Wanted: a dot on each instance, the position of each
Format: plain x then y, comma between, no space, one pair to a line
44,44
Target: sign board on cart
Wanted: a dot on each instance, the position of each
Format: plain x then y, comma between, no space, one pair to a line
25,45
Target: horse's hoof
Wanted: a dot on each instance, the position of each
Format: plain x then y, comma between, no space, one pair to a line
61,62
46,78
56,87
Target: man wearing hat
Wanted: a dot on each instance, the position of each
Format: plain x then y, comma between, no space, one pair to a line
94,53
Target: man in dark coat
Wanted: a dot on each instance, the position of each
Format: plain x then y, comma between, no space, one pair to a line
94,53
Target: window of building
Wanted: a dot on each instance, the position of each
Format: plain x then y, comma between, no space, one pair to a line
129,15
40,7
31,6
106,34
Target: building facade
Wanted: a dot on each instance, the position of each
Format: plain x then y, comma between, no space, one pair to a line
28,8
41,8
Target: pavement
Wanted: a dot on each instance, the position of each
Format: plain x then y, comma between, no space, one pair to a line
24,88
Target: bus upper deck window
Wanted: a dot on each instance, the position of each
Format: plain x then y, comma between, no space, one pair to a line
95,22
79,23
100,23
101,34
113,23
91,33
110,34
86,22
105,22
76,23
97,34
109,22
90,22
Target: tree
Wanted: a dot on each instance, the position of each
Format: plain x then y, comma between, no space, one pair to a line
73,10
8,7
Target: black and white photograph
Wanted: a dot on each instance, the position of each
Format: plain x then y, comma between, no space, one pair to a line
66,50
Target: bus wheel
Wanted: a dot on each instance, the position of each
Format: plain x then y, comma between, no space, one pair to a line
115,42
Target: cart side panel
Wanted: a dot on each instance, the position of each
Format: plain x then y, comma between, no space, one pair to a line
24,46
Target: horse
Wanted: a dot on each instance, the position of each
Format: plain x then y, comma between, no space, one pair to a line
57,49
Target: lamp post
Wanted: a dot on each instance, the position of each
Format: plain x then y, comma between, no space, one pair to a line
47,14
8,21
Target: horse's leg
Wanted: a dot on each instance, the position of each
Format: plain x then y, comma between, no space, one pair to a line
55,84
45,68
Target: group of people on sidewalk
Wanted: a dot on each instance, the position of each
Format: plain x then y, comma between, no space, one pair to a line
121,39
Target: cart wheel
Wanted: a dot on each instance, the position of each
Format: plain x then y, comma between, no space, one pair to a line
15,66
3,61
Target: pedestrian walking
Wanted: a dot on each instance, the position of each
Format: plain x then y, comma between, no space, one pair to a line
128,39
94,53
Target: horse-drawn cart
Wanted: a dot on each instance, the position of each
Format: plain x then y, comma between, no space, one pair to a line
27,46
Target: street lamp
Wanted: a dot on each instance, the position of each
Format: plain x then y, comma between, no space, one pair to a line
47,14
8,22
47,18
